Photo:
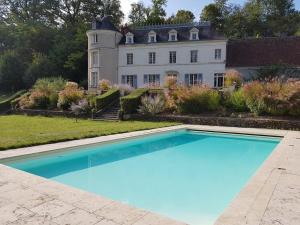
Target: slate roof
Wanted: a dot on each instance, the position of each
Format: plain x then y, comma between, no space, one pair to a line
162,32
263,52
104,24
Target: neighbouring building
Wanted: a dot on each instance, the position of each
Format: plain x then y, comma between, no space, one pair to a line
192,53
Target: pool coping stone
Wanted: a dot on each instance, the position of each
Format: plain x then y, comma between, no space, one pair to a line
271,196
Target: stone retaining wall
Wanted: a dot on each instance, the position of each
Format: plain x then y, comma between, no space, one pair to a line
251,122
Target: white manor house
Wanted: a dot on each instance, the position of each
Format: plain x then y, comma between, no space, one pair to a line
192,53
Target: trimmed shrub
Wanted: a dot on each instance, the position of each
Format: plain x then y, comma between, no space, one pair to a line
6,104
107,98
196,99
130,103
236,101
152,105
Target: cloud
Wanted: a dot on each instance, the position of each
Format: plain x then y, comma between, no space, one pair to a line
126,6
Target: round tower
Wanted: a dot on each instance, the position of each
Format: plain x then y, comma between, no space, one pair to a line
103,41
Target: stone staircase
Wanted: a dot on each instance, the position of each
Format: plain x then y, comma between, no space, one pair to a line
110,113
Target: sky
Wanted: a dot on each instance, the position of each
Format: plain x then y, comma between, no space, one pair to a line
195,6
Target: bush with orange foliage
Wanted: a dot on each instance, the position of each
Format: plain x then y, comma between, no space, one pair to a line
70,94
233,77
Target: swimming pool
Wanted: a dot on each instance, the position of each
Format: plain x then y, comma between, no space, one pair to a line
186,175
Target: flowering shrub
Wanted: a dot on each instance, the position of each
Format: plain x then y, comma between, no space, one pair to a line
71,94
196,99
104,85
233,77
171,83
236,101
152,105
124,89
273,98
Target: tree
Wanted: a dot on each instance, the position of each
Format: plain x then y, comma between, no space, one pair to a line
40,67
139,13
157,13
11,72
216,14
182,16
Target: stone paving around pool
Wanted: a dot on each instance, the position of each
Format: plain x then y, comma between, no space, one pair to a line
271,197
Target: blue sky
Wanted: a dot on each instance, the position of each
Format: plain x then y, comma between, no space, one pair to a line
193,5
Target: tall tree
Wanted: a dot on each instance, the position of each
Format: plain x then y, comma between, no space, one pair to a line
139,13
158,12
182,16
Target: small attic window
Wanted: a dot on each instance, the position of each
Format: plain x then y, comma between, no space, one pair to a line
152,37
129,38
194,34
173,35
95,38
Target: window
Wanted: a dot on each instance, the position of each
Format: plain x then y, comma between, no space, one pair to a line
152,37
193,79
194,56
129,58
129,38
218,80
152,57
94,80
152,79
173,35
172,58
94,59
130,80
95,38
194,36
218,53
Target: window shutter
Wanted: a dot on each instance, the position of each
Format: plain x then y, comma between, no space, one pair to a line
186,79
135,81
145,79
199,78
157,79
123,79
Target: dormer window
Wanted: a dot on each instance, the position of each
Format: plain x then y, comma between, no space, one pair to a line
129,38
194,34
152,37
173,35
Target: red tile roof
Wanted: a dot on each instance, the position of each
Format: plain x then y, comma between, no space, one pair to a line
263,52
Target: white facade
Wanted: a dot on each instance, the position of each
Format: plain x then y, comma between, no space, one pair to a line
206,63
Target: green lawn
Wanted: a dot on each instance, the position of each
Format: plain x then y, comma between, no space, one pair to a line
22,131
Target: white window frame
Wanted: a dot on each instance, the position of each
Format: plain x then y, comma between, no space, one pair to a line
129,79
218,76
218,54
151,58
94,59
193,32
194,56
95,38
129,38
195,79
152,37
129,58
152,80
172,57
94,80
173,33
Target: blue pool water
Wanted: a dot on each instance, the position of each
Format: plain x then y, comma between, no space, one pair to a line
186,175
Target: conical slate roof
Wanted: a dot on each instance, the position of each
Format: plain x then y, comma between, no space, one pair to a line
104,24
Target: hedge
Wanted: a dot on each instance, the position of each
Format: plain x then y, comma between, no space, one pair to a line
5,105
107,98
130,103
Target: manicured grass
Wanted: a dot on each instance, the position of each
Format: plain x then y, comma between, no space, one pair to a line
22,131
